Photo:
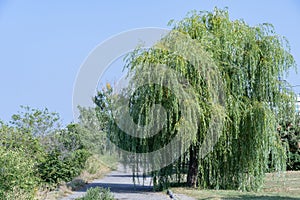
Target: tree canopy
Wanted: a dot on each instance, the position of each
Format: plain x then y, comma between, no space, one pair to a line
215,78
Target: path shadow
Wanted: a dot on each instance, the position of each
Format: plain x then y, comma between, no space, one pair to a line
120,187
120,175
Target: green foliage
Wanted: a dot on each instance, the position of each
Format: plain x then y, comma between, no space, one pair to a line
53,170
17,174
76,162
290,134
97,193
35,152
248,61
71,138
20,153
65,159
93,130
57,168
36,121
13,138
58,154
16,193
103,101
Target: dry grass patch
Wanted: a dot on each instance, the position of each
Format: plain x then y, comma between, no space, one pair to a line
285,186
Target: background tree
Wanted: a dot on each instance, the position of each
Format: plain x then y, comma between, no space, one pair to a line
94,132
249,61
103,111
39,122
290,133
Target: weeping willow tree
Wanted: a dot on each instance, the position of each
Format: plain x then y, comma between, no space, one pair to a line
220,96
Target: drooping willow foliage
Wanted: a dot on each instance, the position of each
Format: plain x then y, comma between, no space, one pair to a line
226,86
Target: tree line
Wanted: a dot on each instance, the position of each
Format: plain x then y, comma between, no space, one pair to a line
38,153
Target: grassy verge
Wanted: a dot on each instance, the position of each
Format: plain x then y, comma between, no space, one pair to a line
97,166
287,187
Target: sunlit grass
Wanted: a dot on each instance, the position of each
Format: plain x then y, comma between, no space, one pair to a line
284,186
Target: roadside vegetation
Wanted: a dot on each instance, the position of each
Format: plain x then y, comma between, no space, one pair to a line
39,158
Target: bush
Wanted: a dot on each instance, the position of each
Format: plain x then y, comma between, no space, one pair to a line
52,169
97,193
35,152
16,194
17,175
290,134
57,168
65,159
75,163
14,139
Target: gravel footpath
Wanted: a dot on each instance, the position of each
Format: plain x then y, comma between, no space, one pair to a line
120,184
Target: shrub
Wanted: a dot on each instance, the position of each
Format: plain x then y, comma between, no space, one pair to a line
65,158
17,175
290,134
16,194
52,169
14,139
97,193
75,163
57,168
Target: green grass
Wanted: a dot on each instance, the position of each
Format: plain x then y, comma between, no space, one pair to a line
285,187
97,193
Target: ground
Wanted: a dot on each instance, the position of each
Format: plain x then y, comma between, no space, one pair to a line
285,186
122,187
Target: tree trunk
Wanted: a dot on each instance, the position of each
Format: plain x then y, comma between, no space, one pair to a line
193,166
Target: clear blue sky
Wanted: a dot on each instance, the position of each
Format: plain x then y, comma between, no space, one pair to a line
42,45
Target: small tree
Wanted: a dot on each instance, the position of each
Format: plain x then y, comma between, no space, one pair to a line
93,131
39,122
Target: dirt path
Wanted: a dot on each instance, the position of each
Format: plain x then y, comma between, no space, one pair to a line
120,184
